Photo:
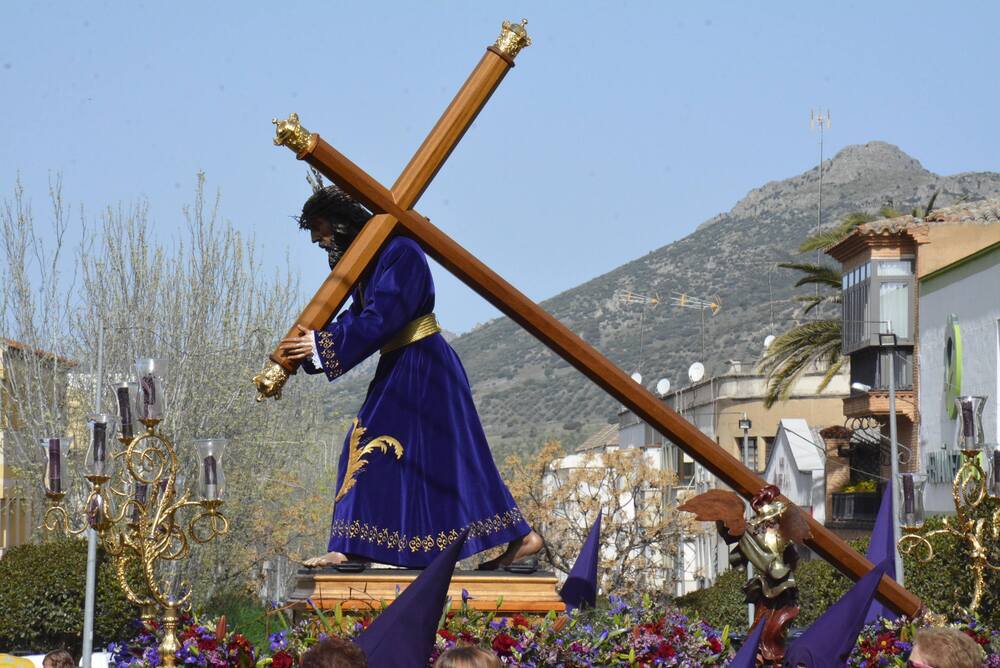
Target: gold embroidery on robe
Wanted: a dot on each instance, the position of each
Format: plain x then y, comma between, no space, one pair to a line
355,456
401,542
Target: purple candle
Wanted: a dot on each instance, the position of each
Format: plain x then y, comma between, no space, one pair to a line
968,418
55,477
125,410
211,479
148,385
100,444
140,496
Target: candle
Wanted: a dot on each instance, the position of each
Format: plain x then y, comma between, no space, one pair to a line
125,410
211,479
148,385
908,494
141,493
55,477
100,445
968,419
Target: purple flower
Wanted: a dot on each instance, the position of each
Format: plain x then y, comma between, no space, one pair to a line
279,640
465,596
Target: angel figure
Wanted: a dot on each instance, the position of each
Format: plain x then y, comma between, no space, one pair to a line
767,540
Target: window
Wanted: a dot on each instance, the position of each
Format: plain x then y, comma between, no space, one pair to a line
894,307
895,267
749,458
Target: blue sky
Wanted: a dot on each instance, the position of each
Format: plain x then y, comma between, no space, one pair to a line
623,126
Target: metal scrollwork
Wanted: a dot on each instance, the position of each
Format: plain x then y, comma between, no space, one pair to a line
969,490
141,533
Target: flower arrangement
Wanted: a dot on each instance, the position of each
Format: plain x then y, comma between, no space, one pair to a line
889,642
202,646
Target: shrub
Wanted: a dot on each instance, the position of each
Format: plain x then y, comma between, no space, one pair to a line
723,604
944,584
42,598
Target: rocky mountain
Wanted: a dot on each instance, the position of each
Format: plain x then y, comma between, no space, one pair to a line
526,394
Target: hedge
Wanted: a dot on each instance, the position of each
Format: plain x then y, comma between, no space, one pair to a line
42,599
944,584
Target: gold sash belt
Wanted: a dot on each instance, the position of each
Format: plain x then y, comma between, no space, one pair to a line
421,328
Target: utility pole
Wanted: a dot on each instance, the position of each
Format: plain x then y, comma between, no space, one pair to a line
887,341
818,120
91,580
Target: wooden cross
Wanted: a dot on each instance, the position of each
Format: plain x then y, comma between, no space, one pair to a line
395,215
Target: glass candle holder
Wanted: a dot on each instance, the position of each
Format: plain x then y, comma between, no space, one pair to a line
126,394
151,401
99,465
970,435
56,478
910,499
211,480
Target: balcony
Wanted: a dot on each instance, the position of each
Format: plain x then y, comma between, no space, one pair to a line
876,402
854,509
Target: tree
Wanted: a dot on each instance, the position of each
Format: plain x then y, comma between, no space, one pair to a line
560,497
198,298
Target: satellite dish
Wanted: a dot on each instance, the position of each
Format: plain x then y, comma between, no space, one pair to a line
662,386
696,372
768,340
637,377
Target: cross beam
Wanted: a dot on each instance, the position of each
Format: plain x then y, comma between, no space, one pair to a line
395,217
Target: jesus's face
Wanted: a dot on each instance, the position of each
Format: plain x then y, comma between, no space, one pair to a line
321,233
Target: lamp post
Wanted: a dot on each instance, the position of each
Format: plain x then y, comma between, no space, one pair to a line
745,425
888,341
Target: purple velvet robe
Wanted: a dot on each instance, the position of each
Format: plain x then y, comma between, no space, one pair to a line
405,510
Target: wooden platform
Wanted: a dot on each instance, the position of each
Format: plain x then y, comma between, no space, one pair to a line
489,590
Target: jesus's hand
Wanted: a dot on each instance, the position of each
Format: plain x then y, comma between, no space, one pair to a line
297,347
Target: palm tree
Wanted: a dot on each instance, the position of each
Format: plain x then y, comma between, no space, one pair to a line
817,341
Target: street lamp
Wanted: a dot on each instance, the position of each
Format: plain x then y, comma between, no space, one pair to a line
745,425
887,340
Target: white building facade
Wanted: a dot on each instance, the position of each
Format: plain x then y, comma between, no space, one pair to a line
959,325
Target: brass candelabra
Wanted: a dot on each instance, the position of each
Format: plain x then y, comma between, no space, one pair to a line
137,513
970,488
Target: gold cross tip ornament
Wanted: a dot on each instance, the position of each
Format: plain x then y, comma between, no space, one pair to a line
290,133
270,381
513,37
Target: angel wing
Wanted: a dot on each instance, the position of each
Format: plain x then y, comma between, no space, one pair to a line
793,525
718,505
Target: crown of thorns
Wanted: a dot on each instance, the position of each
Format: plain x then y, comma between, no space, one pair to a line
336,206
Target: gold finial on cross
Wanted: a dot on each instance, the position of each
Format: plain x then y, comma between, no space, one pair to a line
513,37
291,134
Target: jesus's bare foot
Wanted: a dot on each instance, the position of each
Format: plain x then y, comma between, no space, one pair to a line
328,559
522,548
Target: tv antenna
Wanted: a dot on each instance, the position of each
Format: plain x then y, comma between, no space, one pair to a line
626,297
818,121
712,304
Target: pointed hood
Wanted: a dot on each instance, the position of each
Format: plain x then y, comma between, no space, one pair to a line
403,635
580,589
747,656
882,547
829,641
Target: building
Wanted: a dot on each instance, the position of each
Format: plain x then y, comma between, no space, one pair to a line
19,507
959,334
886,266
796,463
716,405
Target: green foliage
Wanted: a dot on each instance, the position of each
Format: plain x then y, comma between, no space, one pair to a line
943,584
723,604
242,612
42,598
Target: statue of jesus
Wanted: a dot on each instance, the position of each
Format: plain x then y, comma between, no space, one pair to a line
416,469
